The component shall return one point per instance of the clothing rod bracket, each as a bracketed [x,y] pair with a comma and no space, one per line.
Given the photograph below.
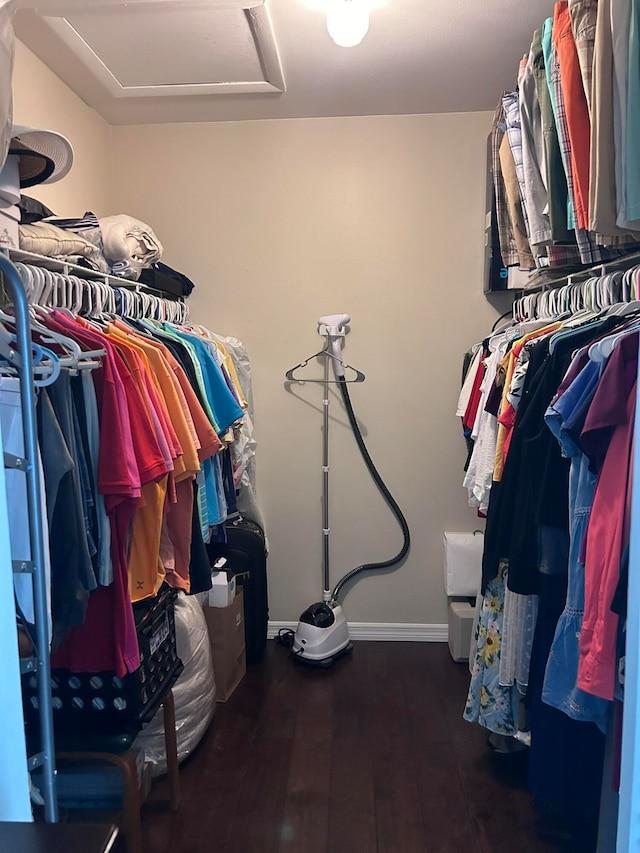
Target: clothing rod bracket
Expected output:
[11,461]
[36,760]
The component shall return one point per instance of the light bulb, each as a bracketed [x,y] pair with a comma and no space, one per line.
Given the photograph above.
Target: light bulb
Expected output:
[347,21]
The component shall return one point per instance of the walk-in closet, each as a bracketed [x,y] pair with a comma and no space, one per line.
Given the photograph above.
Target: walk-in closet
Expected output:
[319,354]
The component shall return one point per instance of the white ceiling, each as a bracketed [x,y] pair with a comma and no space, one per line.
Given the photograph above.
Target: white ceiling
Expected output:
[145,61]
[216,47]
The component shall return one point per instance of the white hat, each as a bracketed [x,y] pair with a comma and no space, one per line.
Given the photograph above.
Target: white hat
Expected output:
[45,155]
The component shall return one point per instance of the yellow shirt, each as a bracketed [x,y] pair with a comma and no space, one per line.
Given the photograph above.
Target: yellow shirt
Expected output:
[511,361]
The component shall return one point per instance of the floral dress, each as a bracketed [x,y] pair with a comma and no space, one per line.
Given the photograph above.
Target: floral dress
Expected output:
[488,703]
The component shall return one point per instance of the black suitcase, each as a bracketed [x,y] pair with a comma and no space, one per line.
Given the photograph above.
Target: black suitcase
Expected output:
[247,557]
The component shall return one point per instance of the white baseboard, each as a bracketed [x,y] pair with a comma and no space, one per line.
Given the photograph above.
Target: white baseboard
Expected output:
[388,631]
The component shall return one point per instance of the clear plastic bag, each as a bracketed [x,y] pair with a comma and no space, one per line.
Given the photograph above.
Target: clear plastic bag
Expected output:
[194,692]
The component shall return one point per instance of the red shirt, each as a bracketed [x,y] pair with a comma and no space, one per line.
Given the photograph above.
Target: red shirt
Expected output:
[107,640]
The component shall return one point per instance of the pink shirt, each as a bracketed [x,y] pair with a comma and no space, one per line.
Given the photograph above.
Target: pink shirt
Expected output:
[607,535]
[107,640]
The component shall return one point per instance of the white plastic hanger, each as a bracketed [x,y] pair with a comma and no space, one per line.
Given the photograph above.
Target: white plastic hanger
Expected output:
[27,280]
[77,359]
[63,294]
[44,286]
[602,350]
[46,364]
[629,286]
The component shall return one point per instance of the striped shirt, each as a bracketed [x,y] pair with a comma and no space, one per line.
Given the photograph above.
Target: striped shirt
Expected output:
[590,251]
[508,248]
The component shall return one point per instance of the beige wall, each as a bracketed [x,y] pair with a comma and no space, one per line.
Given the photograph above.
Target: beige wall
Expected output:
[41,99]
[281,222]
[278,223]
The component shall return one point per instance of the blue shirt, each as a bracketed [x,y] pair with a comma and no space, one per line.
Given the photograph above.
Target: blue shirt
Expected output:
[223,404]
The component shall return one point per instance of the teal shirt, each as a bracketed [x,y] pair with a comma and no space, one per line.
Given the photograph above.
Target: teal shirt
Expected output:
[224,405]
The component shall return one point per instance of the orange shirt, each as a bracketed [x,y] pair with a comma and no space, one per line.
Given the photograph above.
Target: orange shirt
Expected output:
[210,444]
[157,400]
[146,572]
[169,387]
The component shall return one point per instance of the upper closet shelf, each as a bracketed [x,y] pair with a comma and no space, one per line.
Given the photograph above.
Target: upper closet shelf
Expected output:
[549,278]
[66,268]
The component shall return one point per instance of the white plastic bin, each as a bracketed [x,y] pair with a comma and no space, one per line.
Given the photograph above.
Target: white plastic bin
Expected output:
[461,614]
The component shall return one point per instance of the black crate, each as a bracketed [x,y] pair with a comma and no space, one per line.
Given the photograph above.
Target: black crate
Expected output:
[101,702]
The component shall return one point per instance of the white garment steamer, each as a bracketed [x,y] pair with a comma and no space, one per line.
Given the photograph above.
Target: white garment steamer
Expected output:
[322,634]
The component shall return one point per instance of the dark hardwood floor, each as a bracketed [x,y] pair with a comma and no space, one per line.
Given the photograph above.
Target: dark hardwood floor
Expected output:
[372,756]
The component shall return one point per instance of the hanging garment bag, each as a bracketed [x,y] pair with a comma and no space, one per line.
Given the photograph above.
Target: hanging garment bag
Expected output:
[247,558]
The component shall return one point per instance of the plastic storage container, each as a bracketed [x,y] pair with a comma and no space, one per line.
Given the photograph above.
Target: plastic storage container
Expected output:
[102,702]
[461,615]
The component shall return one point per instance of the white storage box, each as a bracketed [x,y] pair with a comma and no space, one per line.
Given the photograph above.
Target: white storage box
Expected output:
[9,198]
[10,181]
[223,589]
[9,231]
[461,615]
[463,563]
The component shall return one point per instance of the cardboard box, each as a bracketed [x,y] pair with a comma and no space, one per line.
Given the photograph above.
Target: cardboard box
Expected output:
[226,635]
[145,782]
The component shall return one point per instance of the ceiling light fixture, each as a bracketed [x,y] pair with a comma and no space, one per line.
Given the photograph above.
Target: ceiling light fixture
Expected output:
[347,21]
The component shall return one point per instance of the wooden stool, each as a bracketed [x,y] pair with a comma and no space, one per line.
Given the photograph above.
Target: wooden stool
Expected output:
[57,837]
[117,751]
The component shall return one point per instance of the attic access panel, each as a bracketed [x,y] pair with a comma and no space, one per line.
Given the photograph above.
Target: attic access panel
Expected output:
[156,48]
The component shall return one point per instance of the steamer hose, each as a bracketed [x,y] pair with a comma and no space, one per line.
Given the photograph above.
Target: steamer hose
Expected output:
[386,494]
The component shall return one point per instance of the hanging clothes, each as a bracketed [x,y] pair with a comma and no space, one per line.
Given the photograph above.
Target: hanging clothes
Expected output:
[508,247]
[489,703]
[611,415]
[555,179]
[620,29]
[632,175]
[562,168]
[577,112]
[514,205]
[536,196]
[549,635]
[479,476]
[552,73]
[514,135]
[583,14]
[564,418]
[602,175]
[137,475]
